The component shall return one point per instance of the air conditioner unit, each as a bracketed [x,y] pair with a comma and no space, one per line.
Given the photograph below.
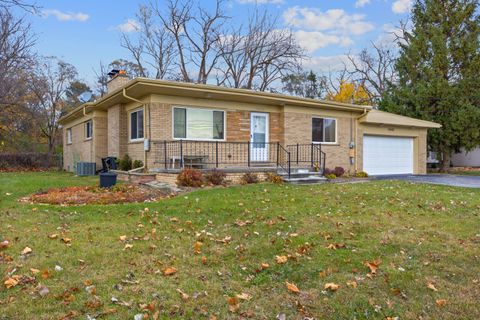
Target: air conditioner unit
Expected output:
[86,168]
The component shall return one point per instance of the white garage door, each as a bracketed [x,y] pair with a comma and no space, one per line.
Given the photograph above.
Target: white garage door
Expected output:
[387,155]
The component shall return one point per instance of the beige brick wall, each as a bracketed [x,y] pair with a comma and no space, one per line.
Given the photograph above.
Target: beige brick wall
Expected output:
[100,124]
[298,129]
[117,131]
[80,150]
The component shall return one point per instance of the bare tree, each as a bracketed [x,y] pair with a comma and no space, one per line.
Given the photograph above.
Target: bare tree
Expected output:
[258,56]
[101,79]
[374,68]
[16,56]
[49,83]
[153,47]
[27,6]
[195,34]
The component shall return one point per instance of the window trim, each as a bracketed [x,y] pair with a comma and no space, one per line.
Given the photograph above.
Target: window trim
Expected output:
[69,136]
[91,130]
[196,108]
[130,125]
[336,130]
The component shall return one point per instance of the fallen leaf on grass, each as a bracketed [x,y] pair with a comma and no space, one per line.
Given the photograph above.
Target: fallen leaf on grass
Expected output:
[185,296]
[4,244]
[169,271]
[45,274]
[281,259]
[352,284]
[128,246]
[198,247]
[292,287]
[244,296]
[66,240]
[26,251]
[12,281]
[335,246]
[34,271]
[441,302]
[204,260]
[123,238]
[331,286]
[431,286]
[53,236]
[264,266]
[233,305]
[372,265]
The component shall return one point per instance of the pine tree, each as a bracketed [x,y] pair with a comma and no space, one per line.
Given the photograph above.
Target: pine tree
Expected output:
[438,70]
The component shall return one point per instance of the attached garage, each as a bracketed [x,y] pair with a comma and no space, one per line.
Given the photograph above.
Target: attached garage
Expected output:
[392,144]
[387,155]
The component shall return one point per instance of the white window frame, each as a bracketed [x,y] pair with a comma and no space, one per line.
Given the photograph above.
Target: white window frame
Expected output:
[197,108]
[336,130]
[130,125]
[86,130]
[69,136]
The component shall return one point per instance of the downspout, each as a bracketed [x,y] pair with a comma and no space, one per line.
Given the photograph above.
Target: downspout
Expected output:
[356,137]
[145,132]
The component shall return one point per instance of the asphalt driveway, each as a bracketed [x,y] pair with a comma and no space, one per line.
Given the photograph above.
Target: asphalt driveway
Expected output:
[443,179]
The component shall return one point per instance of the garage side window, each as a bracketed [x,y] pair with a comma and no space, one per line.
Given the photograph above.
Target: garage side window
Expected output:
[136,125]
[88,129]
[69,136]
[324,130]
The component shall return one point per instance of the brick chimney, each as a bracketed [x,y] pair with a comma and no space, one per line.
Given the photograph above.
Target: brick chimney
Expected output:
[118,78]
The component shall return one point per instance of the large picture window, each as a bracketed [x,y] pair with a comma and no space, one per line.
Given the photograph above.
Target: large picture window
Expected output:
[136,125]
[198,124]
[324,130]
[88,129]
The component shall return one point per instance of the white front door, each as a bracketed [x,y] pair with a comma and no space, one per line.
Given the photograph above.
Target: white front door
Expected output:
[259,136]
[387,155]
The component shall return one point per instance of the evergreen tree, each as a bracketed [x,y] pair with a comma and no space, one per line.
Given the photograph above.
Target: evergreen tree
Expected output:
[304,84]
[438,72]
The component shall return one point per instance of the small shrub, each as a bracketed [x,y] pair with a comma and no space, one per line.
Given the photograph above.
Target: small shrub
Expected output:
[249,178]
[361,174]
[190,178]
[274,178]
[125,163]
[331,176]
[339,171]
[328,171]
[216,177]
[137,164]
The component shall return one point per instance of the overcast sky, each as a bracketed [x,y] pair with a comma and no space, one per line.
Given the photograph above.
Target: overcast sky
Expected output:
[88,31]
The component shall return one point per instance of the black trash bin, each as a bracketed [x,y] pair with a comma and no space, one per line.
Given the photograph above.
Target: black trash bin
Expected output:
[108,179]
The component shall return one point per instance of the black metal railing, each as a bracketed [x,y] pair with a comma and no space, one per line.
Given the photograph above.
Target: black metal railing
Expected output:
[179,154]
[307,155]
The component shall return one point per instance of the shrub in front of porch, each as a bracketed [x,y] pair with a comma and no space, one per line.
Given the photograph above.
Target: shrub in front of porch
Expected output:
[249,178]
[190,178]
[215,177]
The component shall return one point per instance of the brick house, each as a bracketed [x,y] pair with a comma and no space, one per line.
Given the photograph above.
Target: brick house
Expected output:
[169,125]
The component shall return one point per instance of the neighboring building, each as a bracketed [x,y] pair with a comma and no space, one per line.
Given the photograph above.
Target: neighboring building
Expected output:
[169,125]
[466,159]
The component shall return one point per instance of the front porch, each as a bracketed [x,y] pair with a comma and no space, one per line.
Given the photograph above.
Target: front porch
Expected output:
[237,157]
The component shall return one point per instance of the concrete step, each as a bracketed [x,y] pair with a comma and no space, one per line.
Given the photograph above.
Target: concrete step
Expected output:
[305,180]
[300,174]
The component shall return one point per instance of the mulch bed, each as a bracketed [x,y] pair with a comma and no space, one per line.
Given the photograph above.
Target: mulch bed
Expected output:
[96,195]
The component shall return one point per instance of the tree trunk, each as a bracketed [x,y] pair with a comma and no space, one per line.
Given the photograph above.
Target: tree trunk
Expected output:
[445,164]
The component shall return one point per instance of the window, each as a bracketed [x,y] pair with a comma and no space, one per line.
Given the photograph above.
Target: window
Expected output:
[88,129]
[324,130]
[198,124]
[136,125]
[69,136]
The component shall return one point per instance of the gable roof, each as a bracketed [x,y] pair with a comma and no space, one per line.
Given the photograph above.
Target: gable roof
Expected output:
[141,87]
[387,118]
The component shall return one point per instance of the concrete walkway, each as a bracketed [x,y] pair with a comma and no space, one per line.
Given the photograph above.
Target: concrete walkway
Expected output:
[443,179]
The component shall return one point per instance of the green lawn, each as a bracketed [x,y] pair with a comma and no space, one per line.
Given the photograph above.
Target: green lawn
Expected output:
[421,233]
